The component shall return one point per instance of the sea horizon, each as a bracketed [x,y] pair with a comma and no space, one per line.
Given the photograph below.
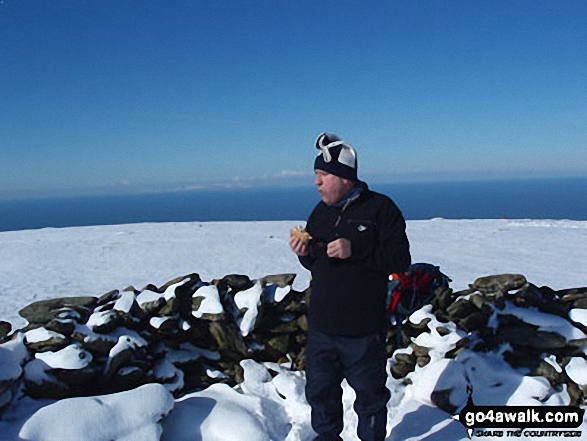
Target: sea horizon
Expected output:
[547,198]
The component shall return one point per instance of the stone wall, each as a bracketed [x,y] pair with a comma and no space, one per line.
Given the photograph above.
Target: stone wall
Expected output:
[489,326]
[189,334]
[186,334]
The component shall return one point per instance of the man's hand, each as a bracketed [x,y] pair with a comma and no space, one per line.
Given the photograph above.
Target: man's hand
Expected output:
[298,246]
[340,249]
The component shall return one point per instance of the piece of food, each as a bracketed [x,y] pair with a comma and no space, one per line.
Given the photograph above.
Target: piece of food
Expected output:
[300,232]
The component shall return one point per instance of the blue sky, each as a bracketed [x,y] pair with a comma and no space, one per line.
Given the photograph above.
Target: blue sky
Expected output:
[120,96]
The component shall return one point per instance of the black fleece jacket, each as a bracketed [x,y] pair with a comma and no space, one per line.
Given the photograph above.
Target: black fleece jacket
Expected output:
[348,295]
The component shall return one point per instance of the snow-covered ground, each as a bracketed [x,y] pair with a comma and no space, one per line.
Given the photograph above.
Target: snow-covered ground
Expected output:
[90,261]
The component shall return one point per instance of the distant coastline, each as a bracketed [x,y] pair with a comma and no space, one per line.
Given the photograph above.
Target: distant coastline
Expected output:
[563,198]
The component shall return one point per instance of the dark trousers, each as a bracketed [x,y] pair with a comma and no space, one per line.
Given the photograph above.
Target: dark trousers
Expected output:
[362,361]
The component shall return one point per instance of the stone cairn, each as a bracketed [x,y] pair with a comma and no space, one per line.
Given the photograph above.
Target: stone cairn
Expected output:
[471,310]
[186,334]
[81,346]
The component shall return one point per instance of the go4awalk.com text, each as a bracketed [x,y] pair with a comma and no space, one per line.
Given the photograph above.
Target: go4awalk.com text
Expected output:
[522,421]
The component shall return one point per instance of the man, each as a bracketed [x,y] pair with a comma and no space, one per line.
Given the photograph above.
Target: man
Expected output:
[358,239]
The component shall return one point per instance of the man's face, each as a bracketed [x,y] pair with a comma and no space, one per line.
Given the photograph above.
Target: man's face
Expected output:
[331,187]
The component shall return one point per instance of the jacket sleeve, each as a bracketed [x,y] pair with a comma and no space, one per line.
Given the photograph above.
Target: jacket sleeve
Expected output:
[390,250]
[308,260]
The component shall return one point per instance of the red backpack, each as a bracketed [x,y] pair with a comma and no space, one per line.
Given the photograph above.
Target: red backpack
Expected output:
[411,290]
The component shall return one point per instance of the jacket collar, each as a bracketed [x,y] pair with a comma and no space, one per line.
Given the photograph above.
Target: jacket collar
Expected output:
[351,196]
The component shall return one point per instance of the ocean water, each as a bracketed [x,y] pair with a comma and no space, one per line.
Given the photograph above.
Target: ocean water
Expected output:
[513,199]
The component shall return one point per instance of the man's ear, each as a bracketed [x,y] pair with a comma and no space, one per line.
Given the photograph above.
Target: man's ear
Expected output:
[348,183]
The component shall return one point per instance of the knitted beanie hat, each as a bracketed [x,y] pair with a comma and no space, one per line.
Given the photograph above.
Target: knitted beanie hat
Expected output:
[336,157]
